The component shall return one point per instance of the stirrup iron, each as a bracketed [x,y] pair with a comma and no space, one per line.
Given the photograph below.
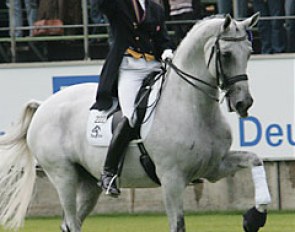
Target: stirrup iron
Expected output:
[110,185]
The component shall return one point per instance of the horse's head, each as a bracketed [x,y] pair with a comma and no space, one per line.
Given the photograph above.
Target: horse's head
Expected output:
[227,54]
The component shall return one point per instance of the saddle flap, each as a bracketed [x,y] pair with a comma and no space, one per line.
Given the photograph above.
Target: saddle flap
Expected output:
[100,127]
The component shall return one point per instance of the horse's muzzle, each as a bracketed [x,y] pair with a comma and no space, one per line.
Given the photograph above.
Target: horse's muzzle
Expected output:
[243,106]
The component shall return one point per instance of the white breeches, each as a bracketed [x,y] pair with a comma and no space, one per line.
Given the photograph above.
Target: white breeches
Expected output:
[131,75]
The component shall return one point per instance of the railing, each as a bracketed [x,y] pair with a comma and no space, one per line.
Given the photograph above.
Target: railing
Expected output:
[13,40]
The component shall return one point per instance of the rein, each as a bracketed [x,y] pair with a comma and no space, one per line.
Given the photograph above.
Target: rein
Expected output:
[188,78]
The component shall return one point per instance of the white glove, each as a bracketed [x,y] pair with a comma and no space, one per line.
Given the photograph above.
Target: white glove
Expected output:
[167,54]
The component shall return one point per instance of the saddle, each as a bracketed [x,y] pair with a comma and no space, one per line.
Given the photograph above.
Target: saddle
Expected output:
[100,129]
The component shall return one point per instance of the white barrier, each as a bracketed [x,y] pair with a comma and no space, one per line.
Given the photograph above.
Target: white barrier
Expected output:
[20,83]
[269,131]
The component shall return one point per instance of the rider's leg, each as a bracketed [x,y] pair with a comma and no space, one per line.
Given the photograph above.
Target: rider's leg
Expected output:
[119,143]
[132,73]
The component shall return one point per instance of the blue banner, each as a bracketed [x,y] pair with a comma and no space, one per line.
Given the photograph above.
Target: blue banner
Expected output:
[60,82]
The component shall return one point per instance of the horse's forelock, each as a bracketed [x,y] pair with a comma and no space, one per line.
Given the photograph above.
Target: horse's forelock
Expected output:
[236,29]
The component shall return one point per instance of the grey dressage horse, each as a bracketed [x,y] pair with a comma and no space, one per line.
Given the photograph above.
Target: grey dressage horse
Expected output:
[189,138]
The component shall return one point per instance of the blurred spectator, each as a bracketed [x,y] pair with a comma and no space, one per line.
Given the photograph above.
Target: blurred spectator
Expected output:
[69,12]
[99,18]
[31,12]
[96,16]
[4,18]
[197,6]
[272,33]
[226,7]
[181,10]
[290,25]
[166,6]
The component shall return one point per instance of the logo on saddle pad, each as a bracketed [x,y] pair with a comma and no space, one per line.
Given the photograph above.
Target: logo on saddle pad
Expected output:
[100,126]
[96,132]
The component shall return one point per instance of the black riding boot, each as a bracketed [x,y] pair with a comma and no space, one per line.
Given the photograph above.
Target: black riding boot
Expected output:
[119,143]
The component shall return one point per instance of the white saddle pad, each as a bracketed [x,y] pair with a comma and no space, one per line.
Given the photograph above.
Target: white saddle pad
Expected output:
[99,132]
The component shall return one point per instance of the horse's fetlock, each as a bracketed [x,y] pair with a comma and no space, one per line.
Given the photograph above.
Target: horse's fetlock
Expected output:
[257,162]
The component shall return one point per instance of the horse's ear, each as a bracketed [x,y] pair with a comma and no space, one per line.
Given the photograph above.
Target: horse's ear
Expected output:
[227,22]
[252,21]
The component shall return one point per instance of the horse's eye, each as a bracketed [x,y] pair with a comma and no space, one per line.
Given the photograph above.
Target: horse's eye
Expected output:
[226,54]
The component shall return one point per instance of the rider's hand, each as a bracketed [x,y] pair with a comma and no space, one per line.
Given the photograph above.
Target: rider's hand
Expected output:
[167,54]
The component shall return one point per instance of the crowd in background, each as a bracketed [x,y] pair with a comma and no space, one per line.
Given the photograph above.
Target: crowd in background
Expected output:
[272,32]
[31,8]
[276,35]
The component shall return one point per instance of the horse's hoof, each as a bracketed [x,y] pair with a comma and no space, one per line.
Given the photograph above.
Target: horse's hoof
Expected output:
[253,220]
[64,228]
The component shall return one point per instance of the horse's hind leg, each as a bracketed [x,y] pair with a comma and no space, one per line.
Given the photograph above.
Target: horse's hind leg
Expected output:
[233,162]
[65,180]
[173,187]
[88,193]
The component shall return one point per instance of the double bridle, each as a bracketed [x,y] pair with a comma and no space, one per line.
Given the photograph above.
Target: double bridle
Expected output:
[223,81]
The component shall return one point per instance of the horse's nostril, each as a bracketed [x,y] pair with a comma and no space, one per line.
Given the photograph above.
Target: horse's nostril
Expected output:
[239,105]
[243,106]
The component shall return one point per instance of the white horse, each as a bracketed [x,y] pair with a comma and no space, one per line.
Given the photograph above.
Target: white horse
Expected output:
[189,138]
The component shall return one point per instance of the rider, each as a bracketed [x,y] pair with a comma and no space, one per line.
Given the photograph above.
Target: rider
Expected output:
[140,41]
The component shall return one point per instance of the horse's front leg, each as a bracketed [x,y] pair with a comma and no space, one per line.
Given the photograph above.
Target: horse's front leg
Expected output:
[233,162]
[173,187]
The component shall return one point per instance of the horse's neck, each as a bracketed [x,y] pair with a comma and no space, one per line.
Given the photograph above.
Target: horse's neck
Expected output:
[183,110]
[180,97]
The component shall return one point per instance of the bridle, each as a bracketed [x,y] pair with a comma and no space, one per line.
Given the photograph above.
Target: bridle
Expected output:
[223,81]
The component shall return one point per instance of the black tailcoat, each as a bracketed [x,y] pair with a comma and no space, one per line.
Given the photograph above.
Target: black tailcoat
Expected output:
[149,36]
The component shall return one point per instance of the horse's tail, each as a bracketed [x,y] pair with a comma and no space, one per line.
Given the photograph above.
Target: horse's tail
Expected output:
[17,171]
